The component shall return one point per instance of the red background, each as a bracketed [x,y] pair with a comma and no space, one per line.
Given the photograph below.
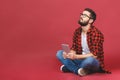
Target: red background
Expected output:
[31,32]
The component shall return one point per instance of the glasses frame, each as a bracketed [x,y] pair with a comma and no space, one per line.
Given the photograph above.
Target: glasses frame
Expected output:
[85,15]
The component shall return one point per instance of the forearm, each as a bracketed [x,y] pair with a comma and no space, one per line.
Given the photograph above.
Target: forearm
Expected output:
[85,56]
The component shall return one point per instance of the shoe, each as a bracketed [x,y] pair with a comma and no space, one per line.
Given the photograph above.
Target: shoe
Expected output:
[82,72]
[63,68]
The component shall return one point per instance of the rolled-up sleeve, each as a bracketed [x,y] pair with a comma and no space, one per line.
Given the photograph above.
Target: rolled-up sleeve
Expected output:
[74,41]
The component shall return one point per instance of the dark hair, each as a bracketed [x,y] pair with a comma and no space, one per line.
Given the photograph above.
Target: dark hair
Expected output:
[93,14]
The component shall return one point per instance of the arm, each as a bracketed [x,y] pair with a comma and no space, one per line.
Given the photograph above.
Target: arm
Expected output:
[75,39]
[97,41]
[84,56]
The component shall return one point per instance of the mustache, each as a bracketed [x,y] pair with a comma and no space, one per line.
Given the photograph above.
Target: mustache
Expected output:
[78,21]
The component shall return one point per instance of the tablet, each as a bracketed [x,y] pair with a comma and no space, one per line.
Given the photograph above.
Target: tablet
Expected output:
[66,48]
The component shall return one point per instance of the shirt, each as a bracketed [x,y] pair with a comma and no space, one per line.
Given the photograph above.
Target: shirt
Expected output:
[95,41]
[85,48]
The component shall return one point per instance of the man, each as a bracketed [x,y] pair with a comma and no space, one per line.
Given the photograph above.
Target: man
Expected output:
[86,55]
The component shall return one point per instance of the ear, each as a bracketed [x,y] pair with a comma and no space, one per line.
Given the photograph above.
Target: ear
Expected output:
[91,21]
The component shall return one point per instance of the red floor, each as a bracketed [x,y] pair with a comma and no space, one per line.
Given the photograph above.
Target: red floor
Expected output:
[33,66]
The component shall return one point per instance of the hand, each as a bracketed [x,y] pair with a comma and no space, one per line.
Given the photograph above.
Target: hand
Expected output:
[71,56]
[95,57]
[64,55]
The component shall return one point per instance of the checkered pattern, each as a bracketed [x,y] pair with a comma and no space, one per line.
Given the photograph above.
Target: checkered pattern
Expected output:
[95,41]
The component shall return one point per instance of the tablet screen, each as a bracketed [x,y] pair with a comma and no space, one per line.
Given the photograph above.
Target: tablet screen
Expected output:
[66,48]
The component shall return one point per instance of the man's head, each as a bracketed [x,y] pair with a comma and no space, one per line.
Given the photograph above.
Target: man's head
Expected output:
[87,17]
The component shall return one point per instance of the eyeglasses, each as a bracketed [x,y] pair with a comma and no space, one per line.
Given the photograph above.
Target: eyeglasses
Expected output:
[84,15]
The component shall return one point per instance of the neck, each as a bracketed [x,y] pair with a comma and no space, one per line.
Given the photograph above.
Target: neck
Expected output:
[86,28]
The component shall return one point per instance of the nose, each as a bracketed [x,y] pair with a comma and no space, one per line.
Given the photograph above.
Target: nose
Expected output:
[81,18]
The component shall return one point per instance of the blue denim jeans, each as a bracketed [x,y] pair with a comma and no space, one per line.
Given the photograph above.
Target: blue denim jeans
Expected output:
[90,63]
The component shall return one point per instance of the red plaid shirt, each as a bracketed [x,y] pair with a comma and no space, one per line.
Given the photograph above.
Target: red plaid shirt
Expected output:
[95,41]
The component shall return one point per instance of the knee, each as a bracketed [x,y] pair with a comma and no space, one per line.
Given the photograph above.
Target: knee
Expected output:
[59,54]
[94,63]
[90,60]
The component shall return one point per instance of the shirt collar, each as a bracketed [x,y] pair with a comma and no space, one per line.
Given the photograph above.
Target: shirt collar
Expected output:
[91,28]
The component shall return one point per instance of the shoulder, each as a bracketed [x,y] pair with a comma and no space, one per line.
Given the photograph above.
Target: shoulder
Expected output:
[78,30]
[97,31]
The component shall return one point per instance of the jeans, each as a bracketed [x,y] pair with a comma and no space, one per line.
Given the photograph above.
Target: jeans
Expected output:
[91,64]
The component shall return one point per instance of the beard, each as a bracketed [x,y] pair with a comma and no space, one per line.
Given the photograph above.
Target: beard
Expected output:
[83,23]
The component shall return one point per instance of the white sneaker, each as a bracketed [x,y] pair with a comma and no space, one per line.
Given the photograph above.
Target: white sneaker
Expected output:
[63,68]
[82,72]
